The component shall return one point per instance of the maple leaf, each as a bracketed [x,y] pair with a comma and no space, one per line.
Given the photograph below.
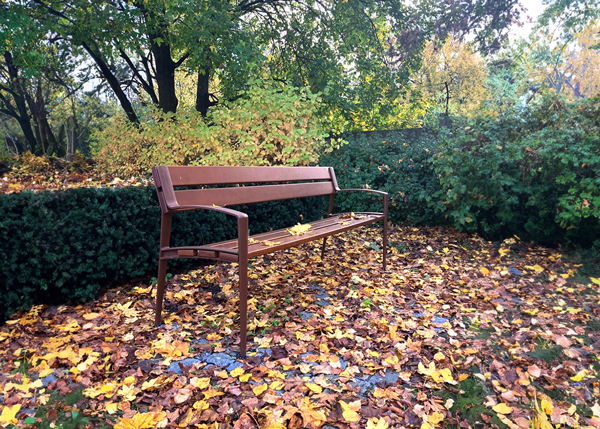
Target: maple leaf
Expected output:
[8,415]
[310,415]
[350,411]
[128,393]
[299,229]
[104,389]
[141,420]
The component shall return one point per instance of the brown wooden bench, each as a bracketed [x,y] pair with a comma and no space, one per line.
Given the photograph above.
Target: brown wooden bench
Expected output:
[255,184]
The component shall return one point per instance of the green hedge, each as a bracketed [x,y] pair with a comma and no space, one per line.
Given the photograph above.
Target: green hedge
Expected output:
[391,161]
[533,173]
[64,246]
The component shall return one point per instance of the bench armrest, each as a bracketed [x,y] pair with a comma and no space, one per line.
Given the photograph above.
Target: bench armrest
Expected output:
[372,191]
[219,209]
[242,224]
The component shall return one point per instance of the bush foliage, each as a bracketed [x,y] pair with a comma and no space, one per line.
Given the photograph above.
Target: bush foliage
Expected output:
[534,173]
[391,161]
[65,245]
[269,125]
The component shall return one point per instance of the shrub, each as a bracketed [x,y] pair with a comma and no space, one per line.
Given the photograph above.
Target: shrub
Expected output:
[268,125]
[30,163]
[66,245]
[536,176]
[391,161]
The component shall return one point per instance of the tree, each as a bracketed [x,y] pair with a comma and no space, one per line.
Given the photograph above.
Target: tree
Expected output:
[453,75]
[361,51]
[571,69]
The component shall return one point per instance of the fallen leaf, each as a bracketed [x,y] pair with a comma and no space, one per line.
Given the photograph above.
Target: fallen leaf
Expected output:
[141,420]
[502,408]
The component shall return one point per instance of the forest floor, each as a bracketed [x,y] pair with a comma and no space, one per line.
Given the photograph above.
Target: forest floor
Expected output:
[458,332]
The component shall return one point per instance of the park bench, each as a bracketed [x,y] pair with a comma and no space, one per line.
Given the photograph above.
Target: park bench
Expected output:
[250,185]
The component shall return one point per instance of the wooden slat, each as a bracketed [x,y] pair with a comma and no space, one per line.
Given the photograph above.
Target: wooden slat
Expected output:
[252,194]
[199,175]
[319,229]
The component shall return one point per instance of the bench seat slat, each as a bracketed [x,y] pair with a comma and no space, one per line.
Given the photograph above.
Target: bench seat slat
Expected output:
[193,176]
[319,229]
[252,194]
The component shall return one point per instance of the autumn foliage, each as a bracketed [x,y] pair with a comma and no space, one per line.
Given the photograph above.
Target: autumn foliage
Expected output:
[457,333]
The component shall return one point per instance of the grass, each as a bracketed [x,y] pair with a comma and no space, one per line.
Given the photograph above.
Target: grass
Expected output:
[547,351]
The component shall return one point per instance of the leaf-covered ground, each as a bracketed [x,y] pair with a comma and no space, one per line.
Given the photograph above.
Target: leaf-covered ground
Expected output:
[456,333]
[59,180]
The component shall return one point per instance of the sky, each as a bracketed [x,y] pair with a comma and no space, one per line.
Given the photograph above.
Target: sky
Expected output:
[534,8]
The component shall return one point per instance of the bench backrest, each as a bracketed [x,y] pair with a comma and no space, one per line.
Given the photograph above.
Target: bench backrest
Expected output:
[306,182]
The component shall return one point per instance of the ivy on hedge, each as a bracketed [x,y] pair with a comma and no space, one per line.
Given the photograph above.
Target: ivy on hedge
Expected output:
[64,246]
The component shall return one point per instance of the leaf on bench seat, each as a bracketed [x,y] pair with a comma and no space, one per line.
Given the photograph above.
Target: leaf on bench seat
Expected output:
[299,229]
[270,243]
[352,216]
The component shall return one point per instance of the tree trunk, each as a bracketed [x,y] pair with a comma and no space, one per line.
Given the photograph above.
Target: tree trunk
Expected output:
[114,83]
[40,114]
[202,94]
[165,75]
[24,118]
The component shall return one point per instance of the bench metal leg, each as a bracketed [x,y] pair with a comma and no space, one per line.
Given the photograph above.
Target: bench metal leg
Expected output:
[160,290]
[165,238]
[385,243]
[385,230]
[323,248]
[243,305]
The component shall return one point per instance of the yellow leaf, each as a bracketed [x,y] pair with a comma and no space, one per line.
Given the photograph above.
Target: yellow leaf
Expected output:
[128,393]
[141,421]
[237,372]
[259,389]
[314,387]
[211,393]
[299,229]
[129,380]
[379,393]
[485,271]
[91,316]
[200,405]
[535,268]
[111,407]
[546,405]
[8,415]
[245,377]
[502,408]
[435,418]
[350,411]
[595,280]
[277,385]
[202,383]
[439,356]
[377,423]
[579,376]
